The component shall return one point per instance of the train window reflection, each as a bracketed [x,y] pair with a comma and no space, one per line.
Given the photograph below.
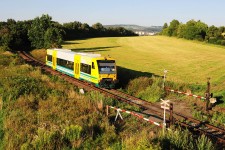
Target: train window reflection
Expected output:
[106,67]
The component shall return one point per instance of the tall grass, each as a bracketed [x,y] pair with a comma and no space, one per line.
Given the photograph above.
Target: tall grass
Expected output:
[42,112]
[178,139]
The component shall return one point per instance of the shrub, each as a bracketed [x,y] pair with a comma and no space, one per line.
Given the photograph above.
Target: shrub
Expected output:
[212,39]
[176,139]
[73,132]
[48,140]
[222,42]
[149,89]
[145,142]
[139,84]
[203,143]
[17,86]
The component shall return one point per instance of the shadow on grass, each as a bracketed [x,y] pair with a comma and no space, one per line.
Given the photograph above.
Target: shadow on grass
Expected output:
[219,100]
[125,75]
[93,49]
[70,42]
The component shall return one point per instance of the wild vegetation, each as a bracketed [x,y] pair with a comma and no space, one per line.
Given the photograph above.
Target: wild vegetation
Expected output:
[40,111]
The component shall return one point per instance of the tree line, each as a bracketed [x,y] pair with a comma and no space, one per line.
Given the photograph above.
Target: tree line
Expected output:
[195,30]
[42,32]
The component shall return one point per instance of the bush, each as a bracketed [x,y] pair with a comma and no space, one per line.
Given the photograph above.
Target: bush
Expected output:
[145,142]
[177,139]
[212,40]
[48,140]
[17,86]
[73,132]
[223,42]
[139,84]
[149,89]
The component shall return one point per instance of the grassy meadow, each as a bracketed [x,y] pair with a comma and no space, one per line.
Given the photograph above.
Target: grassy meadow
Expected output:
[187,62]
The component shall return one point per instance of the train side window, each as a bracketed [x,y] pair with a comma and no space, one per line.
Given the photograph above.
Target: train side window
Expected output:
[85,68]
[93,65]
[89,69]
[65,63]
[49,57]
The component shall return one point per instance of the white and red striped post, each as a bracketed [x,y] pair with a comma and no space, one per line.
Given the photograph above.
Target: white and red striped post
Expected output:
[188,94]
[136,115]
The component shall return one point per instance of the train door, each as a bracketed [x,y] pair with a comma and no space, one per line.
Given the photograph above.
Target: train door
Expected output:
[77,66]
[54,58]
[94,71]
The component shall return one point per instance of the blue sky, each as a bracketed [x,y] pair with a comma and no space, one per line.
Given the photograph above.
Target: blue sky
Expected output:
[139,12]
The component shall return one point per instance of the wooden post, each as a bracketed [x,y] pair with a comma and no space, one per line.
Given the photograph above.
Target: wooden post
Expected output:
[107,110]
[171,114]
[207,95]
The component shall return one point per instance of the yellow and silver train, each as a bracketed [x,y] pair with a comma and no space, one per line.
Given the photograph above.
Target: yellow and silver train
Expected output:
[101,71]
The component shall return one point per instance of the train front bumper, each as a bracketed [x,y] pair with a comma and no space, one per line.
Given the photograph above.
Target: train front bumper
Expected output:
[108,83]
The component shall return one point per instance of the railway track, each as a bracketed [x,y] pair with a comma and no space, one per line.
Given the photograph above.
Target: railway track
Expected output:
[197,126]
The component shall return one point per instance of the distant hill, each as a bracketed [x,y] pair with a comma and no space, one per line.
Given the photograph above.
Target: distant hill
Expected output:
[138,28]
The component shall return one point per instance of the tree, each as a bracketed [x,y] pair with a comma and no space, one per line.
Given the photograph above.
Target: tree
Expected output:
[5,37]
[99,29]
[37,31]
[13,35]
[165,26]
[172,29]
[74,30]
[201,30]
[193,30]
[214,35]
[45,33]
[53,38]
[181,30]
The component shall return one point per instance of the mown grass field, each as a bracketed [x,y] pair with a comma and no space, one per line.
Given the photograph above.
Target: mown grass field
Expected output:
[188,62]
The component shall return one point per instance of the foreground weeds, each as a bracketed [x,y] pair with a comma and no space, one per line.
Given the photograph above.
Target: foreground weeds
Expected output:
[179,139]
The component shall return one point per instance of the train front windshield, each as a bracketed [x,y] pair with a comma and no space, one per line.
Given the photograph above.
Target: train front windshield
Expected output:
[106,66]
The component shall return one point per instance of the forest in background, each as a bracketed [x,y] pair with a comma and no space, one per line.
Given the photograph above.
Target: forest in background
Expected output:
[42,32]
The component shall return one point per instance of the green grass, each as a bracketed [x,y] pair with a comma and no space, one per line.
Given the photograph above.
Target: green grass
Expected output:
[187,61]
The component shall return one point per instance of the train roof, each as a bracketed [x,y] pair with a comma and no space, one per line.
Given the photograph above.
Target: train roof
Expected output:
[69,52]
